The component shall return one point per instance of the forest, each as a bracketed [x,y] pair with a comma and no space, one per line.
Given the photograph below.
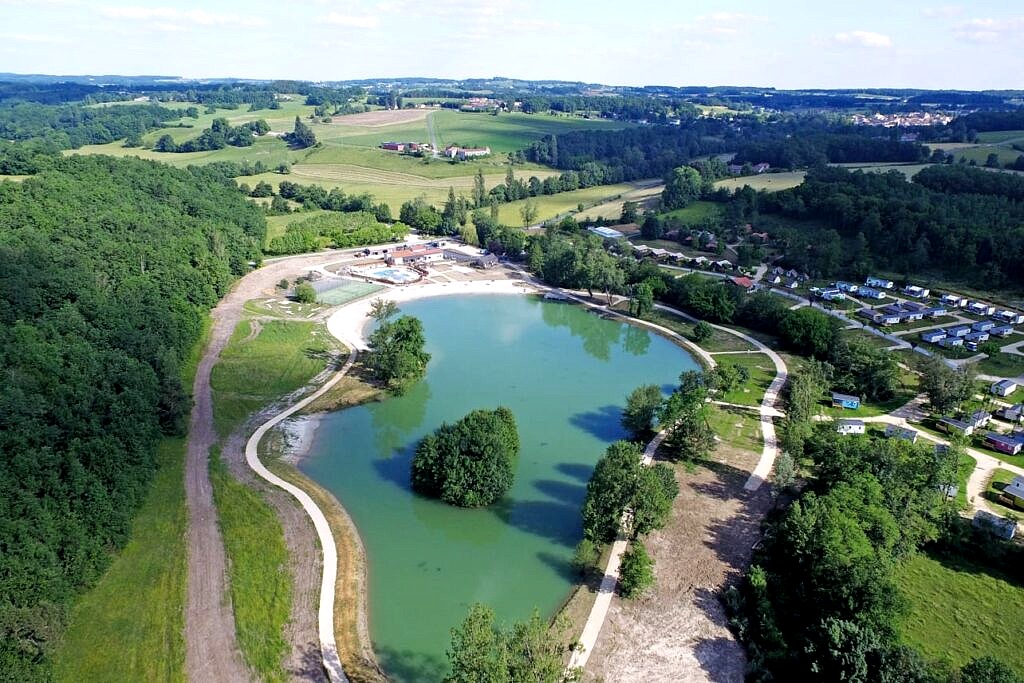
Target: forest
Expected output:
[969,228]
[109,268]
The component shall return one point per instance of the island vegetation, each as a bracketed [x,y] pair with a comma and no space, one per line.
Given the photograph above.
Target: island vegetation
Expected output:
[397,357]
[470,463]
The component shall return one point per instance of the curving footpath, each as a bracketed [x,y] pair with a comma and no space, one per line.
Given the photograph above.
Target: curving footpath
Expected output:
[768,410]
[325,614]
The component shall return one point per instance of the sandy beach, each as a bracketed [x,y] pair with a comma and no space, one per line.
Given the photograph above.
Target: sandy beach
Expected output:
[350,322]
[298,433]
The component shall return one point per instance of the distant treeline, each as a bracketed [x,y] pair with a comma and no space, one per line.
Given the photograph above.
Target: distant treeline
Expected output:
[109,267]
[71,126]
[964,223]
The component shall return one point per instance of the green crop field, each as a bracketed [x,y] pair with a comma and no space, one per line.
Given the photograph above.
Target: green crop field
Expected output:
[694,213]
[959,610]
[770,182]
[550,206]
[1000,136]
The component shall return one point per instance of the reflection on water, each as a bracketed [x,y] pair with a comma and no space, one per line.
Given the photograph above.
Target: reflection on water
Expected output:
[428,561]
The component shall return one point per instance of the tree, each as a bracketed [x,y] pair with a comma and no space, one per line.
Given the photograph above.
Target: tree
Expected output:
[682,187]
[630,213]
[305,294]
[641,409]
[702,331]
[479,189]
[528,212]
[397,357]
[477,653]
[947,389]
[992,161]
[988,670]
[301,137]
[785,471]
[656,489]
[470,463]
[636,573]
[585,556]
[691,438]
[382,309]
[642,302]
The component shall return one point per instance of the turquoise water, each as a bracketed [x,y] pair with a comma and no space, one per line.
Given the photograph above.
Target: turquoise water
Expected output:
[565,374]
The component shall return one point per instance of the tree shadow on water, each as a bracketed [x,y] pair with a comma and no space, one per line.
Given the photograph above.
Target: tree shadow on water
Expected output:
[575,470]
[561,490]
[555,521]
[604,423]
[396,468]
[405,665]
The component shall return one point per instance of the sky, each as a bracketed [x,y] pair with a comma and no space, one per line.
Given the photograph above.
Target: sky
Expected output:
[782,43]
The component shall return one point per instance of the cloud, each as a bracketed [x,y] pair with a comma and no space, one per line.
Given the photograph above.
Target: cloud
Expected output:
[32,38]
[942,12]
[170,18]
[868,39]
[352,20]
[990,30]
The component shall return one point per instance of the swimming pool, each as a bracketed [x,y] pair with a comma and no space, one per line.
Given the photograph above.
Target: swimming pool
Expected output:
[398,275]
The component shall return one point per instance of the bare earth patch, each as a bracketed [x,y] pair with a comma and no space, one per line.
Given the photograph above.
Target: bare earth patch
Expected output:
[678,630]
[384,117]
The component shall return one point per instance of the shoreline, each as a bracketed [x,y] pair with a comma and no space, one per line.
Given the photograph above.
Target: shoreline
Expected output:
[297,435]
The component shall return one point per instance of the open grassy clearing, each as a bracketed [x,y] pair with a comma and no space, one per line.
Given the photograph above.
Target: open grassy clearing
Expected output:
[1001,365]
[13,178]
[646,198]
[909,170]
[271,151]
[738,427]
[762,371]
[552,205]
[959,610]
[509,132]
[906,393]
[694,213]
[1006,155]
[425,167]
[261,585]
[861,335]
[997,136]
[719,341]
[137,608]
[963,472]
[263,363]
[770,182]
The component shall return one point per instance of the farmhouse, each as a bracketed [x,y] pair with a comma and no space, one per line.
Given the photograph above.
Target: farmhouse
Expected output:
[1014,492]
[916,292]
[878,282]
[850,427]
[933,336]
[1003,387]
[954,300]
[393,146]
[463,153]
[1003,528]
[845,401]
[761,167]
[1003,444]
[742,282]
[900,433]
[952,425]
[415,254]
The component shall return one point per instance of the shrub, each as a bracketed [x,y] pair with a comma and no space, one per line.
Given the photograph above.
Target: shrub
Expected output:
[636,573]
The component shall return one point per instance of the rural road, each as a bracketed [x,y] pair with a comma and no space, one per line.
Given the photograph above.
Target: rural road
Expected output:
[211,648]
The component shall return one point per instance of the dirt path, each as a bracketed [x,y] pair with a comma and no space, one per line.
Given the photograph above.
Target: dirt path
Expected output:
[211,648]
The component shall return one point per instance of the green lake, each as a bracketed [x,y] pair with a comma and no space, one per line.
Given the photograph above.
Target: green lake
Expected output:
[565,373]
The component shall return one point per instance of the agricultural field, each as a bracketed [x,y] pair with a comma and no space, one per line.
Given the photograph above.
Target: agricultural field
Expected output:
[959,609]
[692,214]
[646,198]
[770,182]
[995,137]
[553,205]
[909,170]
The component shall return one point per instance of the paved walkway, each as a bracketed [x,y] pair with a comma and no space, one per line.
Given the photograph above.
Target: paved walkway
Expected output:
[325,613]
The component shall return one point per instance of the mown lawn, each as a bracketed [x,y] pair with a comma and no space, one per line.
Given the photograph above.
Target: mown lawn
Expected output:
[907,391]
[959,610]
[719,340]
[253,371]
[694,213]
[770,182]
[1000,479]
[762,371]
[261,584]
[737,427]
[1001,365]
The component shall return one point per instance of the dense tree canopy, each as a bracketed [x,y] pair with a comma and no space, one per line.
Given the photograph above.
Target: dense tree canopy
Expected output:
[470,463]
[108,269]
[397,357]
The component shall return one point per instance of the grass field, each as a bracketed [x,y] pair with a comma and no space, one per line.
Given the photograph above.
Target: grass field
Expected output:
[963,472]
[997,136]
[907,391]
[737,427]
[255,370]
[694,213]
[959,610]
[550,206]
[770,182]
[136,609]
[909,170]
[719,341]
[646,198]
[261,585]
[1000,478]
[1001,365]
[860,335]
[752,391]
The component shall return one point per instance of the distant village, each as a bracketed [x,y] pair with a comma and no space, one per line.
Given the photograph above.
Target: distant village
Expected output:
[906,119]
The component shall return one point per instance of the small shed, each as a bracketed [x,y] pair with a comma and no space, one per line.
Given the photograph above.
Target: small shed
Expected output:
[850,427]
[1003,528]
[845,401]
[1003,387]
